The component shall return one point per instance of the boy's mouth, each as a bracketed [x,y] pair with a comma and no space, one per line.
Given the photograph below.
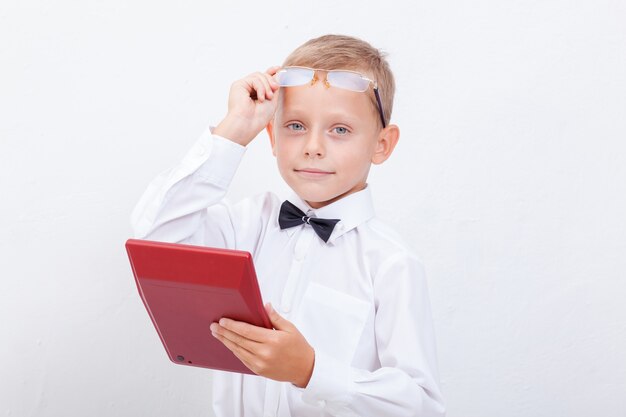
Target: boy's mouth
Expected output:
[312,172]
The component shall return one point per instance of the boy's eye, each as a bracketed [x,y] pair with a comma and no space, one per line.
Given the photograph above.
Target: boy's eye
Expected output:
[295,126]
[341,130]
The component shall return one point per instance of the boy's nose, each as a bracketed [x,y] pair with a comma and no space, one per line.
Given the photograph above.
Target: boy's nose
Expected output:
[314,146]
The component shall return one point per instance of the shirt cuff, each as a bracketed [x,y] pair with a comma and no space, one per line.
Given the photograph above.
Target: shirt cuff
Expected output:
[329,386]
[214,158]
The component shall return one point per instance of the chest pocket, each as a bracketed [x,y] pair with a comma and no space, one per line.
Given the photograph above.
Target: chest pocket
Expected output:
[331,320]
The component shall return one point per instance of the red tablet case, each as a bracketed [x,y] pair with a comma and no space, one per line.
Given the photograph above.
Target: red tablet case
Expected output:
[185,288]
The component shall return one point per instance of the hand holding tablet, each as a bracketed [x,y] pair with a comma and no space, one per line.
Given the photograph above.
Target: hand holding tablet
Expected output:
[185,288]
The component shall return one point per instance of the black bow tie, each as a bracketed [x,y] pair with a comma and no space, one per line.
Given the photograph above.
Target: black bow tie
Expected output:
[291,216]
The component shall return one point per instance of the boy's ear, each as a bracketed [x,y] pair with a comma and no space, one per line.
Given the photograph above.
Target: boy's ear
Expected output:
[385,144]
[270,132]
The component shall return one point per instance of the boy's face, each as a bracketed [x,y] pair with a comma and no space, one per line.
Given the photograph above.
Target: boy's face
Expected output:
[325,140]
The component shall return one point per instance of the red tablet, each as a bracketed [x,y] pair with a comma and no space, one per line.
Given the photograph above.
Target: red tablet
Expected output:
[185,288]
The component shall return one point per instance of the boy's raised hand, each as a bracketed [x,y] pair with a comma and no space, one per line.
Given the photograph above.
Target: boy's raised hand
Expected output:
[282,354]
[252,102]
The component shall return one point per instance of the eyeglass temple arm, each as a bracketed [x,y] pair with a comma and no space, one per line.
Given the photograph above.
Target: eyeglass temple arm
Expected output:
[380,107]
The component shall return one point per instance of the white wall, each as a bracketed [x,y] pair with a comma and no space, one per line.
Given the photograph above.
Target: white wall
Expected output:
[509,180]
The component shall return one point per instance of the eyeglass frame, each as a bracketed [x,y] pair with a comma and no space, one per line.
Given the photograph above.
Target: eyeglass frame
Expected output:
[373,83]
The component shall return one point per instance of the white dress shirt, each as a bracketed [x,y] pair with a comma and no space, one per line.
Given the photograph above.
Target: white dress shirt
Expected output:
[360,299]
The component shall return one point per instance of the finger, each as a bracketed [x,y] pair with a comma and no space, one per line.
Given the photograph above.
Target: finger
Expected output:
[249,345]
[249,359]
[256,87]
[249,331]
[245,86]
[268,89]
[277,320]
[260,89]
[244,355]
[272,82]
[273,70]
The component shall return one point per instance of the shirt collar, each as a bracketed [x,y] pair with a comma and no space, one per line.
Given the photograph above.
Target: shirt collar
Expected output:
[352,210]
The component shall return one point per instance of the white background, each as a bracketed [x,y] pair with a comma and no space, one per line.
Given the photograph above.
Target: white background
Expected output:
[509,180]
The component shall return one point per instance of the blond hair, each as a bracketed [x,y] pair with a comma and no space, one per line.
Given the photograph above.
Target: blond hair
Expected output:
[346,52]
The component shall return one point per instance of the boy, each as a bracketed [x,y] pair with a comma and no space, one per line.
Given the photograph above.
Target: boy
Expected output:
[352,327]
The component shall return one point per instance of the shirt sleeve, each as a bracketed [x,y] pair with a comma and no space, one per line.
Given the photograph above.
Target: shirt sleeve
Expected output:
[406,384]
[185,203]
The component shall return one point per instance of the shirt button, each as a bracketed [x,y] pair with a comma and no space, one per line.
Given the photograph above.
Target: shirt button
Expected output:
[201,150]
[321,403]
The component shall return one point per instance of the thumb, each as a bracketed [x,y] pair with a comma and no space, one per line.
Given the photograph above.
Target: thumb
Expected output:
[278,321]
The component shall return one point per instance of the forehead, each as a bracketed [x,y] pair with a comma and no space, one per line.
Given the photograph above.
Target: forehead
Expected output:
[319,100]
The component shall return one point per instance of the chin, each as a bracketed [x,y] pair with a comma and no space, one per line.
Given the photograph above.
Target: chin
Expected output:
[317,192]
[313,196]
[318,198]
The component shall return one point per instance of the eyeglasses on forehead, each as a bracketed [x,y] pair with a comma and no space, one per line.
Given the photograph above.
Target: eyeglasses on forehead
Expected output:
[294,76]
